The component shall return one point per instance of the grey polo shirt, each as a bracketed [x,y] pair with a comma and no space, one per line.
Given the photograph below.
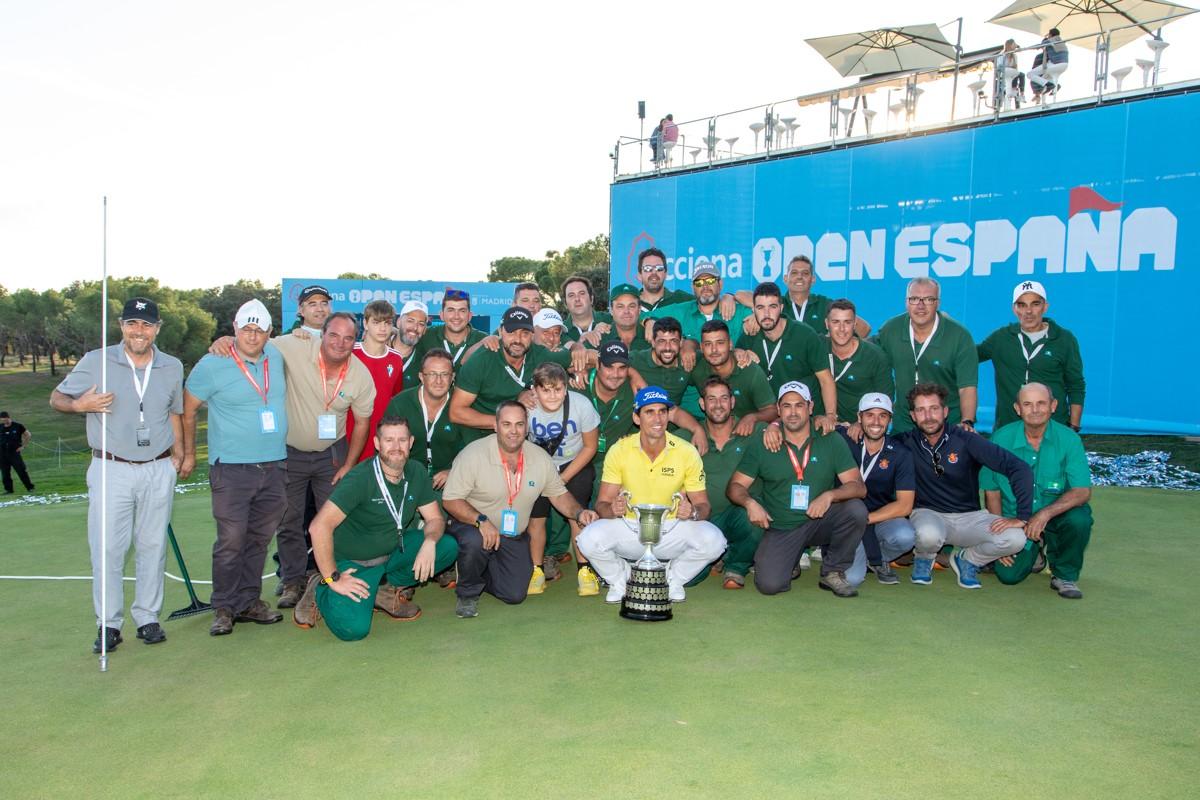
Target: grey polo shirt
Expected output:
[164,396]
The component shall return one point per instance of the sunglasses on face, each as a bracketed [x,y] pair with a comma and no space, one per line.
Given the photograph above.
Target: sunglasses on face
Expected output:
[704,282]
[654,268]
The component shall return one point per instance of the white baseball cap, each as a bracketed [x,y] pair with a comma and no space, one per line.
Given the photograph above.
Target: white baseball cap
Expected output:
[875,400]
[1029,286]
[797,387]
[548,318]
[252,312]
[414,305]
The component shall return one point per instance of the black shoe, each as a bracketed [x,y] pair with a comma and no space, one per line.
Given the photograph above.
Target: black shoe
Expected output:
[112,638]
[152,633]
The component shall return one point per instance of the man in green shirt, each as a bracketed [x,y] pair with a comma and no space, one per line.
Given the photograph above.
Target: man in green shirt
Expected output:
[789,351]
[583,323]
[436,440]
[1062,486]
[706,284]
[725,449]
[411,325]
[753,400]
[859,367]
[625,308]
[455,335]
[926,346]
[811,495]
[652,272]
[801,304]
[364,533]
[1035,349]
[660,366]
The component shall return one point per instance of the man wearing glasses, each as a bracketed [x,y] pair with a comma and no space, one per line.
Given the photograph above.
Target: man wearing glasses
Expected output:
[652,272]
[708,305]
[947,463]
[455,335]
[926,346]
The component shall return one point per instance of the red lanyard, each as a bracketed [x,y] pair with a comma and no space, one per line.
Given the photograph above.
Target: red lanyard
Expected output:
[325,381]
[796,465]
[513,482]
[266,387]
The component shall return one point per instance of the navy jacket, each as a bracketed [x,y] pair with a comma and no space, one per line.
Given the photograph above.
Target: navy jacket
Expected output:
[961,455]
[893,470]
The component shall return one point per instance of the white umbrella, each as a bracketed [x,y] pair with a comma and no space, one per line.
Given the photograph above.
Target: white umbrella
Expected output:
[1088,18]
[885,50]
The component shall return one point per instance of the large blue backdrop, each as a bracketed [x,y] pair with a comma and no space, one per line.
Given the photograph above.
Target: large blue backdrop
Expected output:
[1101,205]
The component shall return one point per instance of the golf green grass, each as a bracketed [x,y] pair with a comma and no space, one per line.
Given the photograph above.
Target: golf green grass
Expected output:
[902,692]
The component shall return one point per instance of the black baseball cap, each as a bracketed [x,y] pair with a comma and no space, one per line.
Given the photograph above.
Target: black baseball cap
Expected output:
[140,308]
[309,291]
[614,353]
[517,319]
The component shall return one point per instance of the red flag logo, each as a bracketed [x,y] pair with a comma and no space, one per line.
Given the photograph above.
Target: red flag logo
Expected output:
[1085,199]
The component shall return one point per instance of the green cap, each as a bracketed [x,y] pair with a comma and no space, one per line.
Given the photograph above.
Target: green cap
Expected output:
[623,288]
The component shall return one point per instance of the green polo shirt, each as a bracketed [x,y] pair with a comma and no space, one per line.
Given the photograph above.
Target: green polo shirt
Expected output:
[639,342]
[798,355]
[950,359]
[433,339]
[1058,465]
[829,456]
[691,320]
[670,297]
[866,370]
[672,380]
[814,311]
[751,391]
[369,531]
[1055,361]
[490,378]
[719,466]
[616,416]
[436,452]
[571,332]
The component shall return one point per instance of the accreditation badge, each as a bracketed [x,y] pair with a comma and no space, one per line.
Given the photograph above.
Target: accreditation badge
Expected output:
[143,436]
[799,497]
[508,523]
[266,419]
[326,426]
[602,444]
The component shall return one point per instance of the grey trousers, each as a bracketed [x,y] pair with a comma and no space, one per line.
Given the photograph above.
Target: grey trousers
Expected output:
[248,501]
[304,469]
[140,497]
[970,530]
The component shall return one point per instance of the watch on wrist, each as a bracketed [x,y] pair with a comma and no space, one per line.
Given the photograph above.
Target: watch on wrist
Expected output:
[332,579]
[970,422]
[482,518]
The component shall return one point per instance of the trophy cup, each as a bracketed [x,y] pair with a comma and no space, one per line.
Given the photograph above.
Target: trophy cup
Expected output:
[647,597]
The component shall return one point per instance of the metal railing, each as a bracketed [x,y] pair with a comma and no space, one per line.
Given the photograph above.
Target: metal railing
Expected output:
[901,103]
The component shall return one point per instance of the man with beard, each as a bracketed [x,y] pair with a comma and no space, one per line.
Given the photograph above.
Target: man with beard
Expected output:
[142,412]
[365,534]
[387,366]
[708,305]
[652,272]
[455,335]
[625,309]
[660,366]
[811,495]
[411,325]
[752,398]
[1035,349]
[801,303]
[652,467]
[1062,486]
[313,308]
[858,366]
[947,461]
[585,324]
[489,496]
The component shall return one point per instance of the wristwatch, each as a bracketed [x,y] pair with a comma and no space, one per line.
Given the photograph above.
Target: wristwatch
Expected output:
[970,422]
[332,579]
[482,518]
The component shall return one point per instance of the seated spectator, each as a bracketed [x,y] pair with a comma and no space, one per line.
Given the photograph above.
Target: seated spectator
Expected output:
[1041,76]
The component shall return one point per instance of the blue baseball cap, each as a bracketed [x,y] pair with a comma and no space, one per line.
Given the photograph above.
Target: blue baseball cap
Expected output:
[650,395]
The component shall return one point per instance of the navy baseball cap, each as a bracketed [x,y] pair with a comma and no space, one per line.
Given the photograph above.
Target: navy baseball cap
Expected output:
[614,352]
[517,319]
[140,308]
[651,395]
[314,289]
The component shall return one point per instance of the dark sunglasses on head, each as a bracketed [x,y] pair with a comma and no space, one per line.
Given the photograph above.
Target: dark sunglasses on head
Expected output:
[456,294]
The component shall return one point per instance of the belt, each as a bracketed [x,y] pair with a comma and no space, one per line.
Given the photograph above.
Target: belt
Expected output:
[109,456]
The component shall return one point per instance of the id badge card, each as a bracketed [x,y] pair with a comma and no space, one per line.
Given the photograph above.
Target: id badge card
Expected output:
[143,437]
[602,444]
[266,418]
[508,523]
[326,426]
[799,497]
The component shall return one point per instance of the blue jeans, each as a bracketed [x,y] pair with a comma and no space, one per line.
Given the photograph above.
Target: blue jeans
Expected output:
[895,537]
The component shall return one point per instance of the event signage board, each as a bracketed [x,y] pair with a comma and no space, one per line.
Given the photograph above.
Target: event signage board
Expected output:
[488,300]
[1101,205]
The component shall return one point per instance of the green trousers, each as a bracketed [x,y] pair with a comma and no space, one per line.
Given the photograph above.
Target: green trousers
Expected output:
[1066,537]
[742,537]
[350,620]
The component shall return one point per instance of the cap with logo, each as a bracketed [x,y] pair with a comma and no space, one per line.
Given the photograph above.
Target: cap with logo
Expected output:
[797,387]
[703,268]
[252,312]
[311,291]
[1029,286]
[623,288]
[872,400]
[141,308]
[613,352]
[517,319]
[548,318]
[414,305]
[651,395]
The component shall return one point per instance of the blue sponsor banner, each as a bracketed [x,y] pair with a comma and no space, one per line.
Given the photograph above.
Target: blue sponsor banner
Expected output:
[1101,205]
[489,301]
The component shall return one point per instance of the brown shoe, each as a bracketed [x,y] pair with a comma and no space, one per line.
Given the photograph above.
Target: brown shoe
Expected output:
[836,582]
[395,604]
[448,578]
[733,580]
[307,614]
[222,622]
[291,595]
[259,612]
[550,569]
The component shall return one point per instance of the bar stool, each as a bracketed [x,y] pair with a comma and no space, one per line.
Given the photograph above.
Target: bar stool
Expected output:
[894,111]
[976,88]
[845,112]
[695,151]
[1119,75]
[790,124]
[1054,75]
[1157,45]
[868,115]
[757,128]
[730,141]
[779,129]
[712,141]
[1147,67]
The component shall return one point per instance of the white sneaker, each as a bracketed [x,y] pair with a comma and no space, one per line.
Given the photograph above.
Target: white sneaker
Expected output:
[675,593]
[616,593]
[805,562]
[816,555]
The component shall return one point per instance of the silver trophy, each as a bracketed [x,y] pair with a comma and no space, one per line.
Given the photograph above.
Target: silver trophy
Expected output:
[647,596]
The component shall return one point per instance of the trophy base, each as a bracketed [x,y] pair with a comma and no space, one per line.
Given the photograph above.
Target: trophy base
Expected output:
[647,598]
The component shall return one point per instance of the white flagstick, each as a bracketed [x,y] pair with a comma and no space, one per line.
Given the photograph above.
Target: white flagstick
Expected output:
[104,449]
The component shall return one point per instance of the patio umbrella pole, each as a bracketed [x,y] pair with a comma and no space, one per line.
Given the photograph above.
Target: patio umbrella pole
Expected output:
[957,61]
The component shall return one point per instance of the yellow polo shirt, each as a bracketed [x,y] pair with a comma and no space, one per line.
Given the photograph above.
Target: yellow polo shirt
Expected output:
[678,467]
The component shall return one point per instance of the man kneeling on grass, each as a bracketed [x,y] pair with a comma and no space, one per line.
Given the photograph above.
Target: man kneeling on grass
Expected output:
[364,533]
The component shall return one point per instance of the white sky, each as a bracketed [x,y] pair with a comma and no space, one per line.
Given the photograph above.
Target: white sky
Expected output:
[420,140]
